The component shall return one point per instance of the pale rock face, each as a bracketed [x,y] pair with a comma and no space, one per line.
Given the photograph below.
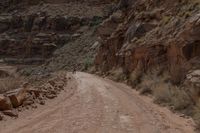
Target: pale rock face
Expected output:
[95,45]
[194,77]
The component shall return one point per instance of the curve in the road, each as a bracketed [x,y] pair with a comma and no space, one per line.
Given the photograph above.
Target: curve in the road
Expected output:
[98,106]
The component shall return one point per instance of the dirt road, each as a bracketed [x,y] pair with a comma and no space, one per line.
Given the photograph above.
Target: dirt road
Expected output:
[98,106]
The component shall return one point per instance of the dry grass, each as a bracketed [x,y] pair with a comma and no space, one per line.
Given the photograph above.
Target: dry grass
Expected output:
[158,83]
[162,93]
[177,74]
[172,95]
[9,83]
[148,81]
[196,115]
[151,79]
[118,74]
[180,99]
[135,77]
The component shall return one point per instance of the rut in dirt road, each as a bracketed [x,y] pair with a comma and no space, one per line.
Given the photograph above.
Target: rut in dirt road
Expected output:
[98,106]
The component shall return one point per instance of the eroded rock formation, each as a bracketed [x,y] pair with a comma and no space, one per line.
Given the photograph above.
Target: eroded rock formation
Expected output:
[30,31]
[143,41]
[149,33]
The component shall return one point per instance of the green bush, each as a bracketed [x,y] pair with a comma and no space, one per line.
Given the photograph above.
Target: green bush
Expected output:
[88,62]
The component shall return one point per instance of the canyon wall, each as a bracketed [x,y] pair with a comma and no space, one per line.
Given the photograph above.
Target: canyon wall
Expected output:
[149,33]
[35,29]
[155,47]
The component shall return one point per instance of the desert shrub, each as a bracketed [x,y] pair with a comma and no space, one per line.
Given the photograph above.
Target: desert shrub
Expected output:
[88,62]
[152,78]
[166,19]
[162,93]
[180,99]
[177,74]
[196,115]
[9,83]
[118,74]
[146,85]
[96,21]
[135,77]
[144,90]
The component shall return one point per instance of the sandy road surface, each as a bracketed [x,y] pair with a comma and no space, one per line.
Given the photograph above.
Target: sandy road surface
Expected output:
[98,106]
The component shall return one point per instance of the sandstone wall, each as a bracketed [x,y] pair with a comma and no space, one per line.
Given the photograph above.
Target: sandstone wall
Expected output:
[149,33]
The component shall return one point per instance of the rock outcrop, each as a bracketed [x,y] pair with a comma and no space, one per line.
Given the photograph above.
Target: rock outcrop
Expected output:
[5,103]
[36,36]
[31,35]
[156,37]
[149,33]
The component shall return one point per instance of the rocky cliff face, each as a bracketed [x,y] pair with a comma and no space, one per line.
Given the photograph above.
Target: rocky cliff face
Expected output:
[150,33]
[142,36]
[33,30]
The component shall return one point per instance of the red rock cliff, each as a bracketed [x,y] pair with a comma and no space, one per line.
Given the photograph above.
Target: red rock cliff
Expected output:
[148,33]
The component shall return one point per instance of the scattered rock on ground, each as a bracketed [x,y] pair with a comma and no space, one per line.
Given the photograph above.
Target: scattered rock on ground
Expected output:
[17,96]
[5,103]
[11,113]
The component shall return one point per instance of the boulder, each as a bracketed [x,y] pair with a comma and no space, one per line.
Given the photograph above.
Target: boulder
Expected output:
[194,77]
[17,96]
[117,17]
[11,113]
[42,102]
[95,45]
[5,103]
[50,96]
[36,92]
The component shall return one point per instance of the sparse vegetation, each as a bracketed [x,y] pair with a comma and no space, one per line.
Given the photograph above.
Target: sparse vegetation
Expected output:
[162,93]
[147,83]
[166,19]
[177,74]
[152,78]
[88,62]
[10,83]
[118,74]
[196,115]
[136,75]
[179,99]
